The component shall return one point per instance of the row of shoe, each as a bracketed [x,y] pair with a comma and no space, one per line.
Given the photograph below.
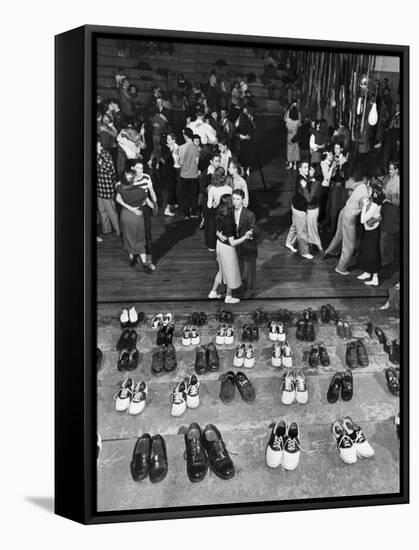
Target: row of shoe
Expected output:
[131,397]
[190,336]
[393,380]
[391,347]
[225,335]
[206,359]
[198,319]
[260,316]
[294,388]
[283,448]
[230,381]
[305,330]
[343,329]
[281,355]
[160,320]
[244,356]
[351,441]
[185,394]
[277,331]
[149,459]
[318,355]
[130,318]
[250,333]
[342,384]
[356,354]
[163,359]
[328,313]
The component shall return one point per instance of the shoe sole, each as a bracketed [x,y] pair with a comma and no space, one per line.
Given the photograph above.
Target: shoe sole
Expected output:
[276,362]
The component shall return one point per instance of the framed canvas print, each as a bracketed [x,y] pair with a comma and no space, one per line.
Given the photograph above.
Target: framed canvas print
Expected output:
[231,274]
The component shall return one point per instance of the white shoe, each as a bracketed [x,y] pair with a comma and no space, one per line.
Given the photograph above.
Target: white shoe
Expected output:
[364,276]
[273,334]
[275,447]
[362,447]
[286,355]
[133,316]
[291,455]
[276,355]
[214,295]
[231,300]
[344,443]
[195,338]
[186,336]
[280,332]
[341,272]
[157,321]
[123,395]
[249,357]
[168,212]
[124,317]
[238,360]
[179,400]
[290,247]
[373,282]
[192,392]
[167,319]
[301,392]
[220,338]
[229,336]
[288,389]
[307,256]
[139,396]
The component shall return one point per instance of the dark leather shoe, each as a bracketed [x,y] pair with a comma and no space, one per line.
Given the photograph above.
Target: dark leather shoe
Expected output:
[393,382]
[335,387]
[312,315]
[309,333]
[170,362]
[229,317]
[255,333]
[324,315]
[369,330]
[347,332]
[314,356]
[247,333]
[323,355]
[246,389]
[339,328]
[196,455]
[228,388]
[201,365]
[161,336]
[363,360]
[170,329]
[219,459]
[347,386]
[352,355]
[300,330]
[396,352]
[380,335]
[194,318]
[126,340]
[140,462]
[158,360]
[123,360]
[133,359]
[332,313]
[213,360]
[158,459]
[202,318]
[99,359]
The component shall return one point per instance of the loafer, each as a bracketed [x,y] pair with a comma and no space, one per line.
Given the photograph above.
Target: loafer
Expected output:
[324,314]
[195,318]
[158,459]
[123,360]
[380,335]
[158,360]
[339,328]
[309,334]
[347,386]
[393,382]
[275,446]
[314,356]
[227,389]
[201,365]
[170,361]
[363,360]
[133,359]
[195,454]
[218,457]
[351,355]
[202,318]
[140,462]
[347,332]
[323,355]
[300,330]
[213,359]
[246,389]
[125,341]
[335,387]
[332,313]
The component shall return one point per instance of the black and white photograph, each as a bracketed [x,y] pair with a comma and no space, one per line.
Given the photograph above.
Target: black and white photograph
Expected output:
[248,254]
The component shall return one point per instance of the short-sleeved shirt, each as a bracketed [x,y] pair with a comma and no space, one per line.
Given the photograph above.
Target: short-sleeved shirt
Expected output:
[133,195]
[227,227]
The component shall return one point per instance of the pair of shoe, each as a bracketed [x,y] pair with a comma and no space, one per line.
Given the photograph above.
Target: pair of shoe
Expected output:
[260,316]
[356,354]
[160,320]
[225,316]
[185,394]
[277,331]
[244,356]
[131,397]
[225,335]
[206,449]
[351,441]
[294,388]
[250,333]
[342,384]
[128,359]
[305,330]
[127,340]
[283,315]
[190,336]
[283,447]
[229,381]
[207,359]
[393,380]
[310,315]
[343,329]
[99,359]
[198,319]
[281,355]
[318,355]
[328,313]
[149,459]
[392,348]
[163,359]
[130,318]
[165,334]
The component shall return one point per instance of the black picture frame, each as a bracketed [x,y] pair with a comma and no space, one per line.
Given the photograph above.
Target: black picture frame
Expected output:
[75,270]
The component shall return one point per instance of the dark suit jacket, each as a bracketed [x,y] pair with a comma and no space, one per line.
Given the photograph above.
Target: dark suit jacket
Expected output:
[247,221]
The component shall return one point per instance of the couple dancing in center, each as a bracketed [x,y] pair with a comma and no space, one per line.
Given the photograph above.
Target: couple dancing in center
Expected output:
[236,248]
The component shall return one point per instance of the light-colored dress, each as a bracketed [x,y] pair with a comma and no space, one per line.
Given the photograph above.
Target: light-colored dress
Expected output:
[293,149]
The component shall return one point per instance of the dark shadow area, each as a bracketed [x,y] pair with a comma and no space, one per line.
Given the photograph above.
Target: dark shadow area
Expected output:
[46,503]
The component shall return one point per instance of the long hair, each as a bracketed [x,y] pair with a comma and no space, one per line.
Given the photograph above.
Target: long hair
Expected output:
[219,177]
[225,209]
[377,195]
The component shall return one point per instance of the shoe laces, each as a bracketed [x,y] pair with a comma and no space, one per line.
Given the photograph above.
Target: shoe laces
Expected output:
[196,451]
[193,389]
[289,383]
[178,396]
[345,442]
[300,383]
[277,443]
[123,392]
[292,444]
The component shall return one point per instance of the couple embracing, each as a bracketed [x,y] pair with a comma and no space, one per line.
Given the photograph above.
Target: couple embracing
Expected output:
[236,248]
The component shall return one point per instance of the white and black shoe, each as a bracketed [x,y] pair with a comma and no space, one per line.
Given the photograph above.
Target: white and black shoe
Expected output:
[238,360]
[362,447]
[273,334]
[249,357]
[276,355]
[192,391]
[344,443]
[186,336]
[275,447]
[194,338]
[280,332]
[167,319]
[220,338]
[301,393]
[288,389]
[179,399]
[157,321]
[292,450]
[229,335]
[286,355]
[124,319]
[139,396]
[123,395]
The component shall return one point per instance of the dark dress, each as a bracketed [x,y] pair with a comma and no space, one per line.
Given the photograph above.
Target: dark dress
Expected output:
[369,257]
[132,226]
